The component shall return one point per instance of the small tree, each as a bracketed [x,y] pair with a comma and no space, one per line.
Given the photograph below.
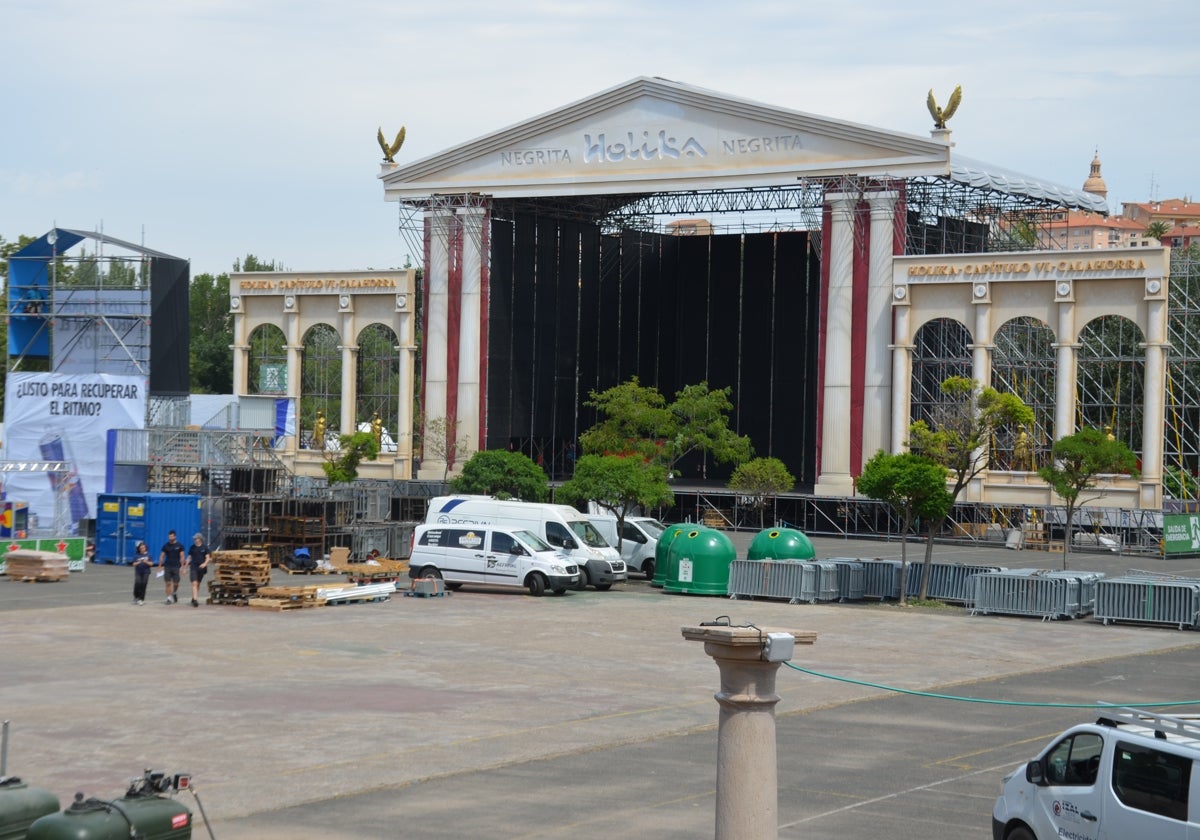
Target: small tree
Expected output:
[964,422]
[914,486]
[503,474]
[617,484]
[1157,229]
[1079,460]
[342,466]
[761,480]
[436,443]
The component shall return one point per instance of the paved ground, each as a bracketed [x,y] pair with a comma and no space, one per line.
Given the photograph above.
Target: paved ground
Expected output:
[497,712]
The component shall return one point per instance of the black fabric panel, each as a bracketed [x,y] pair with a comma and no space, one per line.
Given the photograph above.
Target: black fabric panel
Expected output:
[598,254]
[500,337]
[692,300]
[654,323]
[797,309]
[566,395]
[755,398]
[612,281]
[522,326]
[724,326]
[170,329]
[545,324]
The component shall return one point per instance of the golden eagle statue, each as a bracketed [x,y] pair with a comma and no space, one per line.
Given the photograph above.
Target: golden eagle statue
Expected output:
[939,115]
[389,152]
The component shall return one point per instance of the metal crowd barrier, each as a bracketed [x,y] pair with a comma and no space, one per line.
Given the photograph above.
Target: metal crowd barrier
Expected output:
[852,581]
[1037,592]
[1150,599]
[947,581]
[793,580]
[882,578]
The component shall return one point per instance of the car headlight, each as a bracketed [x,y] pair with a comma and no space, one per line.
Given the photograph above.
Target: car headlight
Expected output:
[558,570]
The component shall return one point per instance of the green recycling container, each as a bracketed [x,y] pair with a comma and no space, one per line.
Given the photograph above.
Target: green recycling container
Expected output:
[660,551]
[698,562]
[781,544]
[154,817]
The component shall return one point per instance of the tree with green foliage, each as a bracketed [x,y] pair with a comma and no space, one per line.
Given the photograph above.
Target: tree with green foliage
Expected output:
[760,480]
[1178,483]
[210,356]
[617,483]
[503,474]
[964,422]
[638,421]
[914,486]
[436,443]
[341,466]
[1157,229]
[1078,462]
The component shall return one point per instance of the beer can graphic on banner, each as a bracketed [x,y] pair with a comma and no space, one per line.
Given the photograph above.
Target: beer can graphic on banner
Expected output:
[54,448]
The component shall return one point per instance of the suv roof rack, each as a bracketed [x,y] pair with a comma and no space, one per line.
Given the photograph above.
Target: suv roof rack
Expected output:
[1162,725]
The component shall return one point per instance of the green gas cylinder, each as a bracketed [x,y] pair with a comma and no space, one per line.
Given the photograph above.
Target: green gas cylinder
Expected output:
[698,562]
[143,812]
[781,544]
[21,805]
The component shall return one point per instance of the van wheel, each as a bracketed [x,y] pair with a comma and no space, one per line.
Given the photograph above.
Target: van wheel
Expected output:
[536,584]
[1020,833]
[583,578]
[648,569]
[431,572]
[454,587]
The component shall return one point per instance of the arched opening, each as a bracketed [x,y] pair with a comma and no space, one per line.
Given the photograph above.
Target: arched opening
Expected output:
[378,382]
[1110,379]
[941,349]
[267,372]
[321,380]
[1023,364]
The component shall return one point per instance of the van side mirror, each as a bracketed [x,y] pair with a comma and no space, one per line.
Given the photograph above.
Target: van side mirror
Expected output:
[515,549]
[1034,774]
[570,544]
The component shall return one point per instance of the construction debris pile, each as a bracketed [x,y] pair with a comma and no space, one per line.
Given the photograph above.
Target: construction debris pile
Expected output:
[29,565]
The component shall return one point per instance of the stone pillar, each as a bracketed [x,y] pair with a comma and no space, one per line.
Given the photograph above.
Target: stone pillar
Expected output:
[877,382]
[350,389]
[437,318]
[981,372]
[241,356]
[469,349]
[747,769]
[1065,352]
[902,351]
[1154,395]
[834,470]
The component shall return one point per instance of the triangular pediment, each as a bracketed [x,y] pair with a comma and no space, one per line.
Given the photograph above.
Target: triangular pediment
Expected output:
[654,135]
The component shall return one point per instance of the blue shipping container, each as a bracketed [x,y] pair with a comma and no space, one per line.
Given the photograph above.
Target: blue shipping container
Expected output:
[125,519]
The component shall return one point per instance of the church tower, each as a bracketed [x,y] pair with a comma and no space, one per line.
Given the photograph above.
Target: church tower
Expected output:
[1095,183]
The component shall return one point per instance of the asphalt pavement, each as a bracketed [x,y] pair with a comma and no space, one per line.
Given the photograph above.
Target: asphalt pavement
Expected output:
[581,716]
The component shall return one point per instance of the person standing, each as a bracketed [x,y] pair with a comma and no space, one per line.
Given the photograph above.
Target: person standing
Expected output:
[198,556]
[169,560]
[141,572]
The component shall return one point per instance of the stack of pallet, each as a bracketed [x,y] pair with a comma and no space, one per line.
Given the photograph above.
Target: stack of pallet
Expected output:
[379,570]
[238,576]
[279,598]
[27,564]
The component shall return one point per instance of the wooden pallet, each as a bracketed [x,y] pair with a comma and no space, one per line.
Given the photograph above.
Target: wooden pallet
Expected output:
[41,578]
[280,604]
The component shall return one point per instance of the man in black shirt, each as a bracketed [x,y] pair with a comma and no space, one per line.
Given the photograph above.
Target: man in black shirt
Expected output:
[169,560]
[197,563]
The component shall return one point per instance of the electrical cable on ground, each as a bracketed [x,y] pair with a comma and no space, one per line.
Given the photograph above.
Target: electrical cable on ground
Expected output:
[985,700]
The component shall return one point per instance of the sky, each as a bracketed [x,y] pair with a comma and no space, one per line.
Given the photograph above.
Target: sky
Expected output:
[212,129]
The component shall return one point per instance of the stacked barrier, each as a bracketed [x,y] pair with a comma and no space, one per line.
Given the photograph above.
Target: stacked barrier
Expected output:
[1048,595]
[1149,599]
[881,579]
[852,583]
[947,581]
[792,580]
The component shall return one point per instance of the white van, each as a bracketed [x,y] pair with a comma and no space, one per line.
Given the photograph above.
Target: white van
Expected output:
[491,555]
[637,540]
[565,528]
[1131,774]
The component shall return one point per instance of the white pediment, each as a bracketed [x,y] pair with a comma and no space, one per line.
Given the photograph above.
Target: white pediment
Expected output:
[651,135]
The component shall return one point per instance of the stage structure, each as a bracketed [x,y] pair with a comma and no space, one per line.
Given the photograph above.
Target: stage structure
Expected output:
[335,351]
[108,310]
[677,234]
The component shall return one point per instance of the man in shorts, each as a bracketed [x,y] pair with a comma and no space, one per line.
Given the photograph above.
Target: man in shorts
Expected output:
[197,563]
[170,559]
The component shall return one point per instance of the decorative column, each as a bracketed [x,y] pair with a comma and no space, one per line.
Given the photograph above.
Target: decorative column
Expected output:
[437,319]
[241,354]
[1065,352]
[902,351]
[469,403]
[747,767]
[1154,394]
[877,381]
[295,355]
[834,476]
[348,328]
[981,372]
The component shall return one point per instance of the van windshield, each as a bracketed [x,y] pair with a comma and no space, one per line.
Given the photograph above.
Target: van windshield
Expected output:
[652,527]
[532,541]
[588,534]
